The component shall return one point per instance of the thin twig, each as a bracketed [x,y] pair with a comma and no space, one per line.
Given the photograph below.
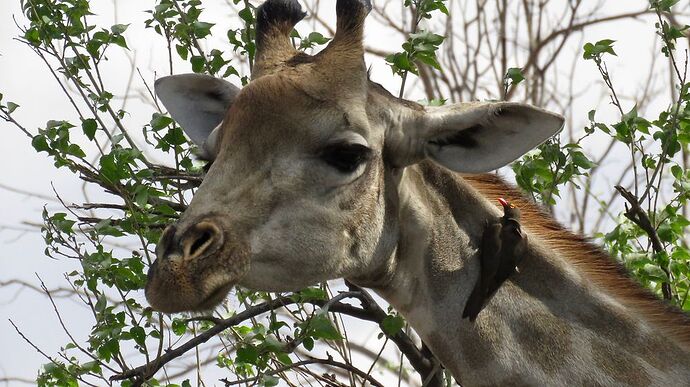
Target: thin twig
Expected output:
[638,216]
[329,362]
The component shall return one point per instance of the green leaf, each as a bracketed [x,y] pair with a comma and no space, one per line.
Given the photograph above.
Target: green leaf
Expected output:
[313,39]
[101,303]
[175,136]
[40,144]
[283,358]
[400,63]
[312,294]
[308,343]
[11,107]
[429,59]
[515,75]
[89,126]
[120,41]
[428,37]
[247,354]
[269,380]
[663,5]
[92,46]
[321,327]
[318,38]
[159,121]
[594,51]
[680,254]
[109,169]
[138,335]
[102,36]
[142,197]
[181,51]
[581,160]
[33,36]
[677,171]
[246,15]
[119,28]
[392,324]
[197,63]
[654,273]
[179,327]
[75,150]
[202,29]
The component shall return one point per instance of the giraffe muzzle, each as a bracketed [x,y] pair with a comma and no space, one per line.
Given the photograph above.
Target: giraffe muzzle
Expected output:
[196,265]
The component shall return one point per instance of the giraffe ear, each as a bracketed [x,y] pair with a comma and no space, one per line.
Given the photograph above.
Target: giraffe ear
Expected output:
[198,103]
[480,137]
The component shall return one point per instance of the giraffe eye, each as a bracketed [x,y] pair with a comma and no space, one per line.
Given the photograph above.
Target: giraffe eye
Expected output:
[345,157]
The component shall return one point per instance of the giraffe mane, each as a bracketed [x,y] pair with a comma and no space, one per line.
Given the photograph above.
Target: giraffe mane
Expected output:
[589,260]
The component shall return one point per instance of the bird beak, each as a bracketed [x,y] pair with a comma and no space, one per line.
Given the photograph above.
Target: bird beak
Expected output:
[504,203]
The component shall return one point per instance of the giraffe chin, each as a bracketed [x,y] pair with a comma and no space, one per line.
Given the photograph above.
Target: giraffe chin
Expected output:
[214,298]
[175,300]
[178,285]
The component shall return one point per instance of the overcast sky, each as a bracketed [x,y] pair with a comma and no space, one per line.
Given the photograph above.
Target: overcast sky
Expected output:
[25,80]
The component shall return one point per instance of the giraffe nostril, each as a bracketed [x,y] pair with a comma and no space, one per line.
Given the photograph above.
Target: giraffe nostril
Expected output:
[166,245]
[198,244]
[201,239]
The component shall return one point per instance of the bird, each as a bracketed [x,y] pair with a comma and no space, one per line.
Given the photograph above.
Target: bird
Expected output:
[513,247]
[502,248]
[489,256]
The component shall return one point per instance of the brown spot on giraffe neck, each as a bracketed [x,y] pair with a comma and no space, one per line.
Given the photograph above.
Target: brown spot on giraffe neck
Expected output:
[514,381]
[544,339]
[620,365]
[618,327]
[480,344]
[591,381]
[450,247]
[443,259]
[647,346]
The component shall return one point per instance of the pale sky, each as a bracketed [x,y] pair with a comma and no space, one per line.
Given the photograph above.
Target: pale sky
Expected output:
[25,80]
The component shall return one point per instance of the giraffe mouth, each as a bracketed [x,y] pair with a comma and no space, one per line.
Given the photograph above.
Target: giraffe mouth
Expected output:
[215,297]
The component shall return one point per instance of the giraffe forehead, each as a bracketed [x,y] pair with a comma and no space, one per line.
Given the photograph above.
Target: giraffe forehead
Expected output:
[277,110]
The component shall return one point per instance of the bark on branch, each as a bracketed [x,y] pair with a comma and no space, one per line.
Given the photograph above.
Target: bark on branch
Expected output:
[426,365]
[637,215]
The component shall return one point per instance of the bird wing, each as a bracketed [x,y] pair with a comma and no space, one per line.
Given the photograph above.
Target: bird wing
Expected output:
[490,247]
[488,264]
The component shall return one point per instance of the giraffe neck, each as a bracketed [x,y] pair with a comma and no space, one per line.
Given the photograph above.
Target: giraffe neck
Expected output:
[547,324]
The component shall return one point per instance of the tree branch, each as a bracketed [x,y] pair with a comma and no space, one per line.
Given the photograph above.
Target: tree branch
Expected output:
[426,365]
[638,216]
[329,362]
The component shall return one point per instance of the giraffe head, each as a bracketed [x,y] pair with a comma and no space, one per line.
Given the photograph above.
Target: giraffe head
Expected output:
[302,186]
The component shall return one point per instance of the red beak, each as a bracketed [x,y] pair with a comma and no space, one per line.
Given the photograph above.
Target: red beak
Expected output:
[504,203]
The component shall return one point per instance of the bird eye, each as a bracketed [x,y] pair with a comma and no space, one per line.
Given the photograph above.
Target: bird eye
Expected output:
[345,157]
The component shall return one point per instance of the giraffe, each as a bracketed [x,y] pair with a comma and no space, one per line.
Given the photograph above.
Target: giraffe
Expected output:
[318,173]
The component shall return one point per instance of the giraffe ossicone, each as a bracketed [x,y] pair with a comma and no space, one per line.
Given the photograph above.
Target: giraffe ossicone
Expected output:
[319,173]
